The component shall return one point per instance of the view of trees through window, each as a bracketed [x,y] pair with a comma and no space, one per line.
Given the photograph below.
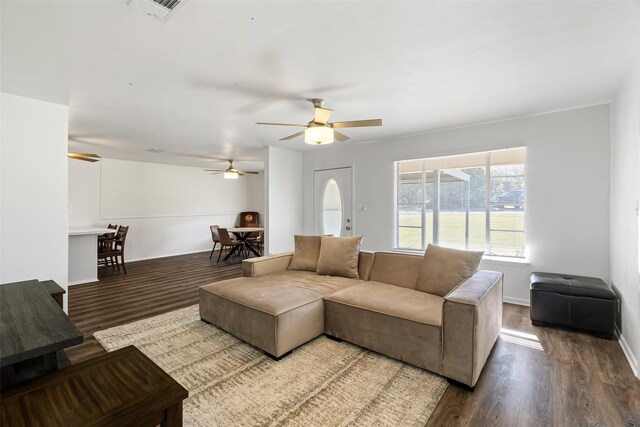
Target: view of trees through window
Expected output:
[472,201]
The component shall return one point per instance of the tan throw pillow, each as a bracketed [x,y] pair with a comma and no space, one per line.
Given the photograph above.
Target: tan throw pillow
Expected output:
[306,253]
[339,256]
[443,269]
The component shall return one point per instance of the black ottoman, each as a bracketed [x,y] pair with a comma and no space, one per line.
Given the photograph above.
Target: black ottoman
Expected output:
[580,302]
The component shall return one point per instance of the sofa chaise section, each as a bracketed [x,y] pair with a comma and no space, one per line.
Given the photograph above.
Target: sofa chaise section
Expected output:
[275,312]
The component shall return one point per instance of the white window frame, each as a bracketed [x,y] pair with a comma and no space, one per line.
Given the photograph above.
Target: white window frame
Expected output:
[436,212]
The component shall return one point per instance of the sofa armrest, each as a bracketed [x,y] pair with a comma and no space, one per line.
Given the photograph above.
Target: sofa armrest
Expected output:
[261,266]
[471,323]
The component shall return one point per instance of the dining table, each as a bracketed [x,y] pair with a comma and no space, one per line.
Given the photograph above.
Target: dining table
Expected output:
[243,234]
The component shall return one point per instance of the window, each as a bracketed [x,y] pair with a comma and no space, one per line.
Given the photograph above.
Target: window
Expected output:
[472,201]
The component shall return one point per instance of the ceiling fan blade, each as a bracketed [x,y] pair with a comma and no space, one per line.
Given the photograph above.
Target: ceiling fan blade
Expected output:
[240,173]
[357,123]
[214,170]
[295,135]
[281,124]
[322,115]
[215,173]
[87,157]
[340,136]
[248,172]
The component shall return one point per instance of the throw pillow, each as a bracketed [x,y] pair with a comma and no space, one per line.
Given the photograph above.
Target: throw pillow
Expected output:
[305,256]
[339,256]
[443,269]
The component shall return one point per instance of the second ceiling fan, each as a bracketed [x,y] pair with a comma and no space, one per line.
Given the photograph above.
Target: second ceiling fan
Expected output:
[319,130]
[231,172]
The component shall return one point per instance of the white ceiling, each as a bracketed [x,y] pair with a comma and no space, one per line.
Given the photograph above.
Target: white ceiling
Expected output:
[196,84]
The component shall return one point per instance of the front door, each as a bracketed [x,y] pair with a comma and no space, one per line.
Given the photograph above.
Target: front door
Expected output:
[333,201]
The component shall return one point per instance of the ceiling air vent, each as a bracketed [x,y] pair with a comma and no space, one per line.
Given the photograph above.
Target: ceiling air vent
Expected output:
[160,9]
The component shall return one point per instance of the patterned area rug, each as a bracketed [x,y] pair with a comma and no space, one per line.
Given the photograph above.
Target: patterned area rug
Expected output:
[322,383]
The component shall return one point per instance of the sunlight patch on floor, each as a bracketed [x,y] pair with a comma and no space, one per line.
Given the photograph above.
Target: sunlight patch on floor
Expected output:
[521,338]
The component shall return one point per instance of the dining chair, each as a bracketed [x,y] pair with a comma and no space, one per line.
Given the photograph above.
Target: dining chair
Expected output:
[215,237]
[114,248]
[227,242]
[102,237]
[247,218]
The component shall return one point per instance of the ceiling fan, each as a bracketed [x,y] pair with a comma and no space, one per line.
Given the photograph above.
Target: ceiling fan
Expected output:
[230,172]
[84,156]
[319,130]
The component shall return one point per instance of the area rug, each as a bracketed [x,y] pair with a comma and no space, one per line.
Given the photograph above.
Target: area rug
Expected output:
[322,383]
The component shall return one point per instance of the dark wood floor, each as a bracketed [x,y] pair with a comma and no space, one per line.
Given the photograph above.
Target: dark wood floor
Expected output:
[534,376]
[150,288]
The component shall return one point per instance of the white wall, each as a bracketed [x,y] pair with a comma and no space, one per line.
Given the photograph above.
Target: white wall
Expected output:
[165,222]
[283,192]
[625,178]
[33,184]
[567,188]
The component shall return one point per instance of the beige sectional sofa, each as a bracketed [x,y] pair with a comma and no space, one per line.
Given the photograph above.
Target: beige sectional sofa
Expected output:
[277,310]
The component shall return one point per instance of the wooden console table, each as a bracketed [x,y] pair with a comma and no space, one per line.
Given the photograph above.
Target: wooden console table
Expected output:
[33,332]
[121,388]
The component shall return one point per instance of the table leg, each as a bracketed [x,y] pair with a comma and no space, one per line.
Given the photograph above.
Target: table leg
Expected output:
[231,252]
[28,369]
[252,248]
[173,416]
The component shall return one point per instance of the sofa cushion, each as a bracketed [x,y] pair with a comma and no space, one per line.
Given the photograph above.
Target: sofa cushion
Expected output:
[307,251]
[277,293]
[401,323]
[396,269]
[444,268]
[339,256]
[393,301]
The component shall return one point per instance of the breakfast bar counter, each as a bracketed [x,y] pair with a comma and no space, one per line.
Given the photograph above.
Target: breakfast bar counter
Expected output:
[83,253]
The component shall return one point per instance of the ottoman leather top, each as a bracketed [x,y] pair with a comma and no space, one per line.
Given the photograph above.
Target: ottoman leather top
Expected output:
[568,284]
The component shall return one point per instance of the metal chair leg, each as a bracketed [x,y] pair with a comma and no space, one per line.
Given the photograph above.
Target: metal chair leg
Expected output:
[213,249]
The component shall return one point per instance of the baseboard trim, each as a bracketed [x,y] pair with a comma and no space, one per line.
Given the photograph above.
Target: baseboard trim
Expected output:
[167,255]
[517,301]
[82,281]
[631,358]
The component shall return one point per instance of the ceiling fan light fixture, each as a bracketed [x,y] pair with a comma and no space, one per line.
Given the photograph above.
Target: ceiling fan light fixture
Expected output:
[231,175]
[318,135]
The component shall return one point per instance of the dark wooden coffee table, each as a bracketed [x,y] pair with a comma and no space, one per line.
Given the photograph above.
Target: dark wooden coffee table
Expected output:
[33,332]
[121,388]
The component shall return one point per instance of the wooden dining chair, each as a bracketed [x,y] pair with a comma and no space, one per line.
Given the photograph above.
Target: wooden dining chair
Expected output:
[215,237]
[227,242]
[102,237]
[114,249]
[247,218]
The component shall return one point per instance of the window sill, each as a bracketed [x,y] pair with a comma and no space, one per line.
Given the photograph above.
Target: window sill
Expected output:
[505,260]
[492,259]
